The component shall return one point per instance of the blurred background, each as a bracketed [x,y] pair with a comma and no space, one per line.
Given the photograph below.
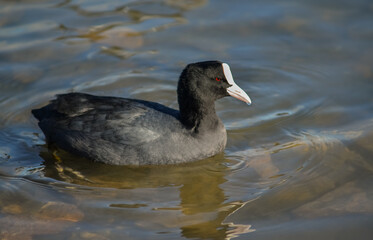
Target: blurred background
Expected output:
[298,162]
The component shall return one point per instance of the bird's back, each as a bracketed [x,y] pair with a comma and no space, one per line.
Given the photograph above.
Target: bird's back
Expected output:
[110,129]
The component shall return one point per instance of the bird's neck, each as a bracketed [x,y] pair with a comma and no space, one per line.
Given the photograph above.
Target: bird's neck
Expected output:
[198,115]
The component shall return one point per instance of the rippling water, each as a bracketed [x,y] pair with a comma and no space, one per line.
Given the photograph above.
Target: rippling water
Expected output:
[298,163]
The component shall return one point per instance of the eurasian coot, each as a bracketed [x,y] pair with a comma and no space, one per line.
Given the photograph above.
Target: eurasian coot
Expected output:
[126,131]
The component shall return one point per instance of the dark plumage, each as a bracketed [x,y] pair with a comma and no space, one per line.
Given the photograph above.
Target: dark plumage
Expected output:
[135,132]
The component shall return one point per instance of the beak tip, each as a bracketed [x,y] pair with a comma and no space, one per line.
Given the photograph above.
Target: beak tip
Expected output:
[249,101]
[240,95]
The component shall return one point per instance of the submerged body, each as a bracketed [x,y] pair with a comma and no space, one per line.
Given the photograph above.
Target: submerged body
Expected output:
[124,131]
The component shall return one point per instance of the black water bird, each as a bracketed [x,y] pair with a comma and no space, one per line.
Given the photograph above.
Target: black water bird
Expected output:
[124,131]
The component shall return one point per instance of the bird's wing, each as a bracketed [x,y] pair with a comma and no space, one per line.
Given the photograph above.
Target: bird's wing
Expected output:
[110,119]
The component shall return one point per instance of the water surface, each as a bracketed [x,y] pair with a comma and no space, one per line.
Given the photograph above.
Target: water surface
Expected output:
[298,162]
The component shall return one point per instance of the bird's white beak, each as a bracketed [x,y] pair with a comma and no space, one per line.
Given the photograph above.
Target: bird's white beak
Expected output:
[235,90]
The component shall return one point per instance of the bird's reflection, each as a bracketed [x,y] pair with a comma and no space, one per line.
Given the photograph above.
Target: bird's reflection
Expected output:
[202,202]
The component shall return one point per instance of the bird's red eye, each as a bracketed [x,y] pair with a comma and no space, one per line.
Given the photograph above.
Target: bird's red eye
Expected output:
[218,79]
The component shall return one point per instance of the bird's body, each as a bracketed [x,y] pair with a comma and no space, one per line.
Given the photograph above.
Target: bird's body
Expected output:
[124,131]
[112,129]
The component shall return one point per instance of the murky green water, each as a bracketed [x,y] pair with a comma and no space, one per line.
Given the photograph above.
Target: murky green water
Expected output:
[298,163]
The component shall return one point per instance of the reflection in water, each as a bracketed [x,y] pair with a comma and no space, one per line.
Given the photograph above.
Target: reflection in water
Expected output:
[200,210]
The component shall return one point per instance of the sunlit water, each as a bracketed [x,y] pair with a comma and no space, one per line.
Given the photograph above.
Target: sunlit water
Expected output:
[298,163]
